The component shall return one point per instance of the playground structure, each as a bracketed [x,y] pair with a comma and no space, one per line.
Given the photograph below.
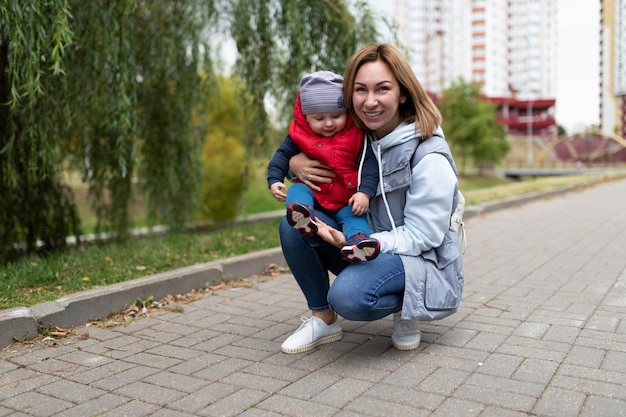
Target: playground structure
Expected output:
[583,149]
[532,135]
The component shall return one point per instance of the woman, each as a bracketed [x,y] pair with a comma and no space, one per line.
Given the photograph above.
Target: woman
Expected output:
[410,214]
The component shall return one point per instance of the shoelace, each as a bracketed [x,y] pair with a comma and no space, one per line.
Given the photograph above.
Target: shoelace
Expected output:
[304,320]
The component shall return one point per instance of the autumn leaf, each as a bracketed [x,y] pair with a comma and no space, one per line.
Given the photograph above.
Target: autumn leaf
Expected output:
[218,286]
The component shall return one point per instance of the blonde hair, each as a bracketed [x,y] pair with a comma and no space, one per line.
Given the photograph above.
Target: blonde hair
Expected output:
[418,107]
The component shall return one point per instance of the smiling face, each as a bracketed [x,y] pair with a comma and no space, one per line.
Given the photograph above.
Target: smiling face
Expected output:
[376,98]
[327,124]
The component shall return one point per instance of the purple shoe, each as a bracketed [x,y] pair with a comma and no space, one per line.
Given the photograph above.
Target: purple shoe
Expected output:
[360,247]
[301,217]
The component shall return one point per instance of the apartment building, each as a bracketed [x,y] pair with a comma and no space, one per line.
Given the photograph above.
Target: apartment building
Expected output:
[612,111]
[508,47]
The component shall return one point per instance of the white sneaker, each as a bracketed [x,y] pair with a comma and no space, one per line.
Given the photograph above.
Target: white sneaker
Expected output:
[406,333]
[311,333]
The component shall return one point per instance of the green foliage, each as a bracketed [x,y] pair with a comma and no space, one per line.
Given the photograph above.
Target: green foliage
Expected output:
[113,87]
[224,152]
[35,208]
[24,337]
[280,40]
[37,37]
[470,125]
[224,180]
[141,61]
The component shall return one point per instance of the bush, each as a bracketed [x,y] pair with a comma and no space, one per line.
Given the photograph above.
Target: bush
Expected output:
[225,177]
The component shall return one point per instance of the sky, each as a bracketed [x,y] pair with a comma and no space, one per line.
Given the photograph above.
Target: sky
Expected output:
[578,63]
[577,97]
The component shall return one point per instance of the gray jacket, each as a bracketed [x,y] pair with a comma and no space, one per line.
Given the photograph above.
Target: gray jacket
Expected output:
[430,253]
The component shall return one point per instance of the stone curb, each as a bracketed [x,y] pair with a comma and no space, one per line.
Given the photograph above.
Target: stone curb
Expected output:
[21,323]
[505,203]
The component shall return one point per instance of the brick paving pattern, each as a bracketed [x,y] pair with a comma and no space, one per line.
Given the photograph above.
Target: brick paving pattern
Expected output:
[541,332]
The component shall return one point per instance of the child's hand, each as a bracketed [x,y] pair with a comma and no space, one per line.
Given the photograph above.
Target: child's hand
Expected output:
[279,191]
[360,203]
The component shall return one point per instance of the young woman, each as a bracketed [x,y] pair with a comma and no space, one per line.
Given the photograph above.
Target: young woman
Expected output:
[418,274]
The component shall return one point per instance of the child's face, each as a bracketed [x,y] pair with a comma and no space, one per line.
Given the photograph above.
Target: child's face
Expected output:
[327,124]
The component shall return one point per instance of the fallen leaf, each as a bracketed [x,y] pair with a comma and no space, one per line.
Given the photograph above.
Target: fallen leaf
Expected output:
[273,270]
[218,286]
[242,283]
[140,268]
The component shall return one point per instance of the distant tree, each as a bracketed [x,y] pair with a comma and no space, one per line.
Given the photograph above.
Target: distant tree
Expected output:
[471,127]
[224,160]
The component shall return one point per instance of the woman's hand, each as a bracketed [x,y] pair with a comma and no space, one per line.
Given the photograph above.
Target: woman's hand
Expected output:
[310,171]
[330,234]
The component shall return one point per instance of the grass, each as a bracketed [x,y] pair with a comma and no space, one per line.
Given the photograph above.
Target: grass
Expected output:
[484,189]
[38,279]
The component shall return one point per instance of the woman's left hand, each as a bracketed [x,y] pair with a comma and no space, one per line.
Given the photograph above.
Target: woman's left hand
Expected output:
[330,234]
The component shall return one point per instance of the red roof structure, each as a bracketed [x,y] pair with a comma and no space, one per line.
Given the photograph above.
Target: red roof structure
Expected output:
[521,117]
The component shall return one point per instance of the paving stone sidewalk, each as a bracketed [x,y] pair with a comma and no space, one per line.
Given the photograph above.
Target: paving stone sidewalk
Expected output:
[541,332]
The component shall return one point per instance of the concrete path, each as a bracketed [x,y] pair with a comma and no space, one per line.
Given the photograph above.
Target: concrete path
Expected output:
[541,332]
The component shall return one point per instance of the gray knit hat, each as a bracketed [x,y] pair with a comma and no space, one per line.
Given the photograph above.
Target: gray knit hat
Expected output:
[321,92]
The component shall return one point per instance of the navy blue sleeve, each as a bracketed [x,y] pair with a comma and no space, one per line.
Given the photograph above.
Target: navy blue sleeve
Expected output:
[279,164]
[369,173]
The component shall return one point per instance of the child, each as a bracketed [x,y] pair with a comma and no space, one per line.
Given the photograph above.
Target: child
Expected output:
[323,130]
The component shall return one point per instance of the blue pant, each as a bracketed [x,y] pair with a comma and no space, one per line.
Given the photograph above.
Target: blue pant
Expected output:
[350,222]
[363,291]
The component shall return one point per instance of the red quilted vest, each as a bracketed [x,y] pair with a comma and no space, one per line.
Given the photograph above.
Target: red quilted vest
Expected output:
[340,152]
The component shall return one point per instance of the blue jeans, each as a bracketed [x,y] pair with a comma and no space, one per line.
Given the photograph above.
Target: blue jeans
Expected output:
[350,222]
[363,291]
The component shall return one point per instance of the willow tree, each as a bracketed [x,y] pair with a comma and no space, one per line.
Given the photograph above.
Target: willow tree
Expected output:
[34,203]
[278,41]
[109,86]
[134,80]
[113,87]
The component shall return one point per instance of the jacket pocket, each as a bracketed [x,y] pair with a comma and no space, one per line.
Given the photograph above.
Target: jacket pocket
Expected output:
[399,178]
[350,181]
[443,286]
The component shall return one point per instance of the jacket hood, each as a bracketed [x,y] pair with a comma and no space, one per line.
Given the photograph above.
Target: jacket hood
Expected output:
[405,132]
